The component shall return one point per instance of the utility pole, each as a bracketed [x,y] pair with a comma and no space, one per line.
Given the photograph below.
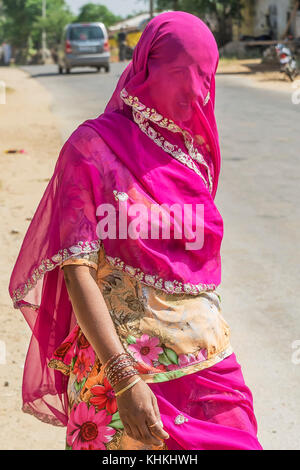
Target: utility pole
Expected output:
[44,36]
[151,9]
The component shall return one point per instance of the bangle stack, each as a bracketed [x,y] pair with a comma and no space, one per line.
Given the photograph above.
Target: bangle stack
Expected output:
[118,368]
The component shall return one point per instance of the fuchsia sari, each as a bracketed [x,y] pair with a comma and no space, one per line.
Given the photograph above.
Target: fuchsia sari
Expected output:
[157,141]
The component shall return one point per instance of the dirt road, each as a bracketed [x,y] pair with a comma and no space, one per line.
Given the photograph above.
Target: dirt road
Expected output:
[258,198]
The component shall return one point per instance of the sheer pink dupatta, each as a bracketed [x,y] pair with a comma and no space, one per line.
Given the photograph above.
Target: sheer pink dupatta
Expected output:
[157,141]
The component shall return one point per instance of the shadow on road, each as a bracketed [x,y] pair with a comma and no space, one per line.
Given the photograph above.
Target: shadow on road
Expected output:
[51,74]
[246,72]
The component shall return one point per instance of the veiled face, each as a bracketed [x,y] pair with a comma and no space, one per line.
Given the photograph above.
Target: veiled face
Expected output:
[177,85]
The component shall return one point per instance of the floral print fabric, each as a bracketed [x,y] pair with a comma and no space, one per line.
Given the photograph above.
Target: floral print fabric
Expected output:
[165,333]
[94,422]
[168,336]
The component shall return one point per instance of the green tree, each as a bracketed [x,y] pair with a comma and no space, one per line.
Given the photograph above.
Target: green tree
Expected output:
[23,21]
[91,12]
[58,16]
[224,11]
[20,16]
[21,24]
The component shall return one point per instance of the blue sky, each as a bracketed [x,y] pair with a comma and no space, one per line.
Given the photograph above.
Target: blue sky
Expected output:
[118,7]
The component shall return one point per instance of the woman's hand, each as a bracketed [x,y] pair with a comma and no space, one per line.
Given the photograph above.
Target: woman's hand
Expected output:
[138,409]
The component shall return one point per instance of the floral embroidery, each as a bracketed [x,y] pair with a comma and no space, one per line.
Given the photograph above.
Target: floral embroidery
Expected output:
[94,246]
[170,287]
[144,113]
[86,259]
[180,419]
[149,113]
[174,150]
[206,99]
[119,196]
[49,264]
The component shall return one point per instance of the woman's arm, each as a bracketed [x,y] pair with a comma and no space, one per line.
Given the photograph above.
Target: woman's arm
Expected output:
[137,406]
[91,311]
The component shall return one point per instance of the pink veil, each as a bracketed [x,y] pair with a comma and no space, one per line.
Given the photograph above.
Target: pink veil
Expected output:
[160,116]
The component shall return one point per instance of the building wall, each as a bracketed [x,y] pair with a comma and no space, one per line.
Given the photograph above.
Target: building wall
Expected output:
[255,22]
[297,25]
[277,10]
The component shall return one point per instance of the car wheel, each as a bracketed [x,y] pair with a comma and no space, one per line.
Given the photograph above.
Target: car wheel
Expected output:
[98,69]
[107,68]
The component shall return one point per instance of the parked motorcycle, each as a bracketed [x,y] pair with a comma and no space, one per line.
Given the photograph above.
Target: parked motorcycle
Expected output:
[288,63]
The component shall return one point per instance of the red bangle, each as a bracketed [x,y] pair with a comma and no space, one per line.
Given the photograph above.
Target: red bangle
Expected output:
[121,379]
[113,357]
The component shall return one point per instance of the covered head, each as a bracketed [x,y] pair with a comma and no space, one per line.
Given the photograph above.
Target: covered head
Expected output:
[172,74]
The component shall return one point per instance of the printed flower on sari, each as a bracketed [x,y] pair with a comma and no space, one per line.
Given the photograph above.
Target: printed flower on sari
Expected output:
[104,397]
[62,350]
[145,349]
[82,342]
[88,430]
[186,359]
[202,355]
[82,366]
[172,367]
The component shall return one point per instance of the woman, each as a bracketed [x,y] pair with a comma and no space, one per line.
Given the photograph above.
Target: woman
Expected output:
[129,348]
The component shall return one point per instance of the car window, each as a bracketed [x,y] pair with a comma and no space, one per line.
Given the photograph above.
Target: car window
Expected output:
[85,33]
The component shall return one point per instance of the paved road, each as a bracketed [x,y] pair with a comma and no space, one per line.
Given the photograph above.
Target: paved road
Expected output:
[258,197]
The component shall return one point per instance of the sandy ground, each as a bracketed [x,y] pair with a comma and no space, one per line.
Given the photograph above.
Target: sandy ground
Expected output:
[27,123]
[260,75]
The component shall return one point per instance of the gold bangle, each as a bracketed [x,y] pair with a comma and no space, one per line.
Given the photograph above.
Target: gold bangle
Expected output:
[128,386]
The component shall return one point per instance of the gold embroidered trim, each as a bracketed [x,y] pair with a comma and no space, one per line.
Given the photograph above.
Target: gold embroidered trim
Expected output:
[120,196]
[164,144]
[48,264]
[206,99]
[171,287]
[86,259]
[42,416]
[154,116]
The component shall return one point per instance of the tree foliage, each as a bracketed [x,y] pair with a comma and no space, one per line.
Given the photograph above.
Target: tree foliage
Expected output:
[224,11]
[91,12]
[21,22]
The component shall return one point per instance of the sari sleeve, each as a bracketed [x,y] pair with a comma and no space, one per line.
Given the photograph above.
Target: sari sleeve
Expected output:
[85,259]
